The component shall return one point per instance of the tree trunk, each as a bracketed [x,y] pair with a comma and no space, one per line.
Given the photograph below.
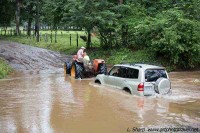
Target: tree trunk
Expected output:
[30,19]
[121,1]
[37,22]
[29,26]
[104,39]
[5,30]
[89,39]
[17,15]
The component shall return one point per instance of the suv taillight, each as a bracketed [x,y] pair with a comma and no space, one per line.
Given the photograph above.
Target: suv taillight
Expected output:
[141,87]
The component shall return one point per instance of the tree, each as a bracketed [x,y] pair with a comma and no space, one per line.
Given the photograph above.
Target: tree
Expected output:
[17,15]
[168,28]
[37,21]
[108,23]
[7,10]
[81,14]
[90,14]
[190,8]
[28,13]
[53,12]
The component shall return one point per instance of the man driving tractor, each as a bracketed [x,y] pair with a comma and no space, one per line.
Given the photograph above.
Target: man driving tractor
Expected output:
[80,54]
[83,57]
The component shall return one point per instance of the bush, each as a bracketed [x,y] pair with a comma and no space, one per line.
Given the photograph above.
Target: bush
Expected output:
[123,55]
[4,69]
[171,36]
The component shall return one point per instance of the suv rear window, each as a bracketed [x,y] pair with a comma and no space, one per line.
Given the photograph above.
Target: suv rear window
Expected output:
[154,74]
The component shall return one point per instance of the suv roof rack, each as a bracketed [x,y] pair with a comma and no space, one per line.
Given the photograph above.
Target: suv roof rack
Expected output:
[137,63]
[132,64]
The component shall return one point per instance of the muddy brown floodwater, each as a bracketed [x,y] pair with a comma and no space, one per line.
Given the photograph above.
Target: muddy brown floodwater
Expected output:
[47,101]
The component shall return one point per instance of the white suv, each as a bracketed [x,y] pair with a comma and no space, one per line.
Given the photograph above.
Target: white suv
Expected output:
[138,79]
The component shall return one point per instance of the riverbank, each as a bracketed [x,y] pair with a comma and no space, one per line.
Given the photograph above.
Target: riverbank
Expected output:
[5,69]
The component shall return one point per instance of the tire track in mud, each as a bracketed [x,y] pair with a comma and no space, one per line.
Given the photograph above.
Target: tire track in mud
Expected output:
[25,57]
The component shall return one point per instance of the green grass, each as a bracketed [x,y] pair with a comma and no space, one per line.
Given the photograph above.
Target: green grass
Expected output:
[61,44]
[5,69]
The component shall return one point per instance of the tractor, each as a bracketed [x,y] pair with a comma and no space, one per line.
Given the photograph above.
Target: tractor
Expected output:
[77,70]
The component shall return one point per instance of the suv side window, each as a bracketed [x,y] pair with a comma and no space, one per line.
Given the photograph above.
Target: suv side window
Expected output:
[154,74]
[126,72]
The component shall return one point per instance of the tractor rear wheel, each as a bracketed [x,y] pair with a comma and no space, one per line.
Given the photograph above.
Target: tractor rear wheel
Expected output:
[102,68]
[77,70]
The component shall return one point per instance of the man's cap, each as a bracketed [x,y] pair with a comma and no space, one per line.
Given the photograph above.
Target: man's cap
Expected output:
[83,47]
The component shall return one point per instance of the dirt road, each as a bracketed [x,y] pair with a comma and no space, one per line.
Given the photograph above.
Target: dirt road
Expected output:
[24,57]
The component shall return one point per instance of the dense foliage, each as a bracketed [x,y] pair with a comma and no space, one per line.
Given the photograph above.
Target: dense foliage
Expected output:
[168,28]
[172,32]
[6,13]
[170,35]
[101,17]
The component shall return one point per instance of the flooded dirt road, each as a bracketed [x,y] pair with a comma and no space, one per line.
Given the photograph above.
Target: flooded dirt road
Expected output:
[47,101]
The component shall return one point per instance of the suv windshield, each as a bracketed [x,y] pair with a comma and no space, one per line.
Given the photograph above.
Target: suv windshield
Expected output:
[154,74]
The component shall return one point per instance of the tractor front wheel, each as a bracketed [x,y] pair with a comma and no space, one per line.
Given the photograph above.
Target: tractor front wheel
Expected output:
[67,67]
